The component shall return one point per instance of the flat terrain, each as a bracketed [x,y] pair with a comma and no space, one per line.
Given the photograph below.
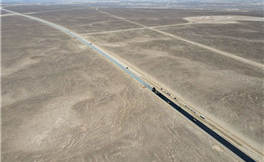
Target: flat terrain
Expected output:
[3,12]
[63,102]
[228,91]
[41,8]
[155,17]
[85,20]
[219,87]
[244,39]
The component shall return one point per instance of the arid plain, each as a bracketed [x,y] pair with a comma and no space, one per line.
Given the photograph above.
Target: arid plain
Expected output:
[62,101]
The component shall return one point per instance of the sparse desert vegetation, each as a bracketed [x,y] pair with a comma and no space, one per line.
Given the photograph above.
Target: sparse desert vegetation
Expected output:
[62,101]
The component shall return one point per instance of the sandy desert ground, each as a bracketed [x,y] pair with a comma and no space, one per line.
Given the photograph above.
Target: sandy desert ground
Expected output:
[63,102]
[243,38]
[221,88]
[228,91]
[85,21]
[41,8]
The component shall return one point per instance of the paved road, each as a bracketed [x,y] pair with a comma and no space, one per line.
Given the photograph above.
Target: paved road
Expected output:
[230,55]
[119,64]
[94,47]
[212,133]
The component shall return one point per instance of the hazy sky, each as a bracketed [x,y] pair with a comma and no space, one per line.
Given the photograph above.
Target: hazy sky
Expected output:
[63,1]
[119,0]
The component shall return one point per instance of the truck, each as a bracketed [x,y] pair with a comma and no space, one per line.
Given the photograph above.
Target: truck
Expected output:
[202,116]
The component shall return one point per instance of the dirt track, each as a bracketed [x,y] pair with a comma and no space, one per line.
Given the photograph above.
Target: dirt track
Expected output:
[230,55]
[66,103]
[248,79]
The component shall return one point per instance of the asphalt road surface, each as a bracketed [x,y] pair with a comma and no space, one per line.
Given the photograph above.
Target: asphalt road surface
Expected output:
[216,136]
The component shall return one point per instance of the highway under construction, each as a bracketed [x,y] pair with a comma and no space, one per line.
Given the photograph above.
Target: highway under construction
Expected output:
[148,84]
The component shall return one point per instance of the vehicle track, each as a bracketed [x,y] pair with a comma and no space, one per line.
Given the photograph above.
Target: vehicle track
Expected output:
[181,102]
[116,62]
[227,54]
[133,29]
